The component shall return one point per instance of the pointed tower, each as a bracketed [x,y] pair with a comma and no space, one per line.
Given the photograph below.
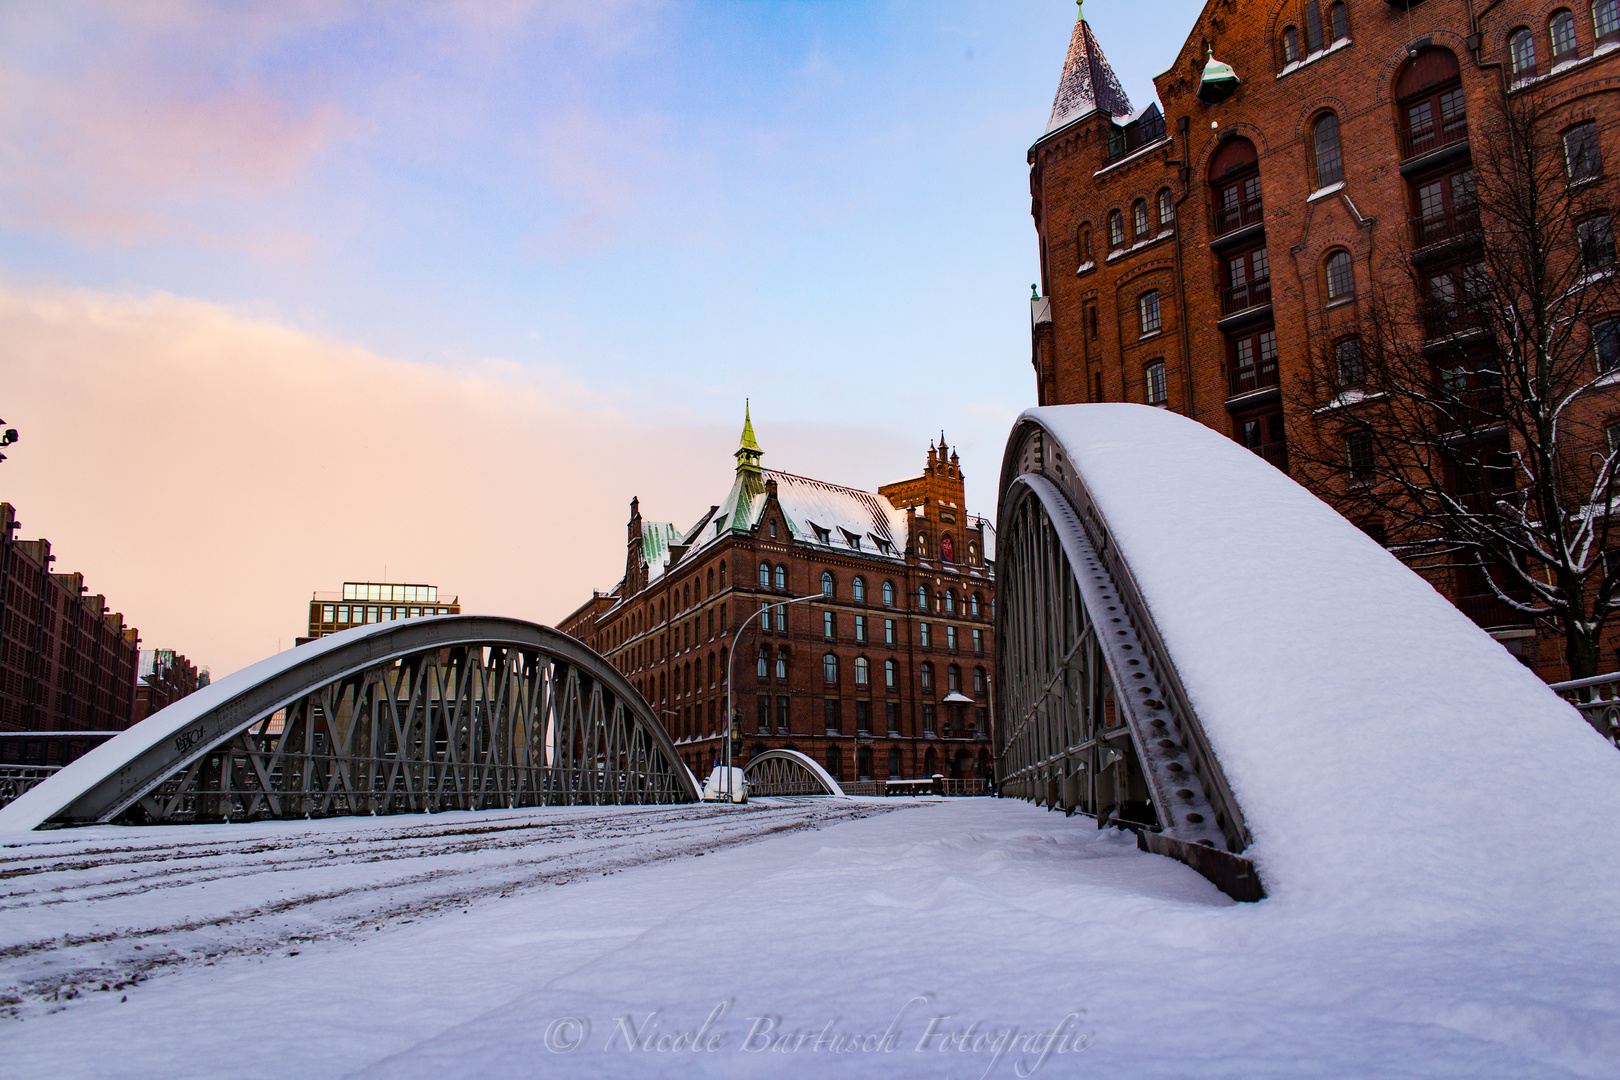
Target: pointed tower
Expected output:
[1088,82]
[748,451]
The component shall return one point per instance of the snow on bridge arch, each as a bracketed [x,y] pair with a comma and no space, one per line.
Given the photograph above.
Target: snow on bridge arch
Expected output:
[1191,644]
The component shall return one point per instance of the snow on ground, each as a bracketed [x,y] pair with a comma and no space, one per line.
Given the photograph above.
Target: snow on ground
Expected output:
[899,938]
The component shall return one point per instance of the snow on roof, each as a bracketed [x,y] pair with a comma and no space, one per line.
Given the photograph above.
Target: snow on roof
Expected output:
[1087,84]
[1380,744]
[840,517]
[656,536]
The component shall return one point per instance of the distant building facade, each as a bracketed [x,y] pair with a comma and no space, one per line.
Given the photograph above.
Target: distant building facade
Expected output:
[67,663]
[361,602]
[885,673]
[164,678]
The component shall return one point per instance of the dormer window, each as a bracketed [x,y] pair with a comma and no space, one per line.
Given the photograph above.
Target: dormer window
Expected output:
[852,539]
[823,536]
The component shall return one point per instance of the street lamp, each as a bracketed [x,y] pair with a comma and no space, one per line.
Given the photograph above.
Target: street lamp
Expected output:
[731,656]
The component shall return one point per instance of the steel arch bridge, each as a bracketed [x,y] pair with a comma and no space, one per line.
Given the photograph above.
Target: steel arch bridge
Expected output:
[1093,718]
[788,772]
[459,712]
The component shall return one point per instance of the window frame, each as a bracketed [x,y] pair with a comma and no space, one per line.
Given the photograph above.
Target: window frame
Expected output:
[1521,48]
[1573,51]
[1116,230]
[1326,169]
[1154,385]
[1150,317]
[1594,144]
[1340,267]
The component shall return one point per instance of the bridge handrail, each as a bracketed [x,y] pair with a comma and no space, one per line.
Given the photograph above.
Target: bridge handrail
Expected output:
[1603,713]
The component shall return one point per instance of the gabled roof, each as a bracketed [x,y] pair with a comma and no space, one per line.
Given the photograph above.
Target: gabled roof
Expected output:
[814,512]
[1088,82]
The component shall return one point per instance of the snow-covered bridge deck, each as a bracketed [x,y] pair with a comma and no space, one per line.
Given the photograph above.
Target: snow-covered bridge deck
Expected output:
[554,925]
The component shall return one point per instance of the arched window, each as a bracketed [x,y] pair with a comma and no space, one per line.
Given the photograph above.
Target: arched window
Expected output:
[764,662]
[927,677]
[888,594]
[947,548]
[1167,209]
[930,763]
[950,602]
[1313,26]
[1606,20]
[1341,279]
[1522,50]
[781,578]
[1235,175]
[826,583]
[711,669]
[1339,22]
[1116,229]
[1083,243]
[1290,44]
[863,671]
[973,605]
[1561,32]
[1139,218]
[922,598]
[781,665]
[708,586]
[1432,109]
[857,589]
[1147,310]
[894,763]
[722,575]
[829,668]
[891,675]
[1325,150]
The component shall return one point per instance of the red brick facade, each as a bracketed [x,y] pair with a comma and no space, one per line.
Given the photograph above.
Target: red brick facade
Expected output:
[1238,183]
[66,662]
[903,602]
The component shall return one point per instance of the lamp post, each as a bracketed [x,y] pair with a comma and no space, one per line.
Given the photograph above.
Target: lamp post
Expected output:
[731,656]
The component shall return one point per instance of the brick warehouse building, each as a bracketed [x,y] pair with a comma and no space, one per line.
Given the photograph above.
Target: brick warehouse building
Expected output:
[67,664]
[1194,257]
[885,673]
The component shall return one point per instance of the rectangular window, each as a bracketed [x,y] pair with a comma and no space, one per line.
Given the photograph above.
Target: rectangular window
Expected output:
[863,717]
[1359,447]
[1147,306]
[1597,244]
[1347,360]
[782,716]
[764,713]
[829,710]
[371,614]
[343,613]
[928,717]
[1153,377]
[829,629]
[1606,344]
[328,613]
[891,713]
[888,631]
[978,642]
[1583,154]
[860,628]
[923,635]
[950,638]
[765,617]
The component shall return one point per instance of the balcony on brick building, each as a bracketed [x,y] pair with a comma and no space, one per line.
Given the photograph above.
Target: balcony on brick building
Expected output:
[1240,213]
[1452,224]
[1243,297]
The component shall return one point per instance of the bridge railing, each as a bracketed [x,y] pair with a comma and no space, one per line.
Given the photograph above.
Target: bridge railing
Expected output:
[1598,699]
[16,779]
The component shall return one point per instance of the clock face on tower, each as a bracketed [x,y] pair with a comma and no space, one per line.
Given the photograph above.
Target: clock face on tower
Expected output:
[947,550]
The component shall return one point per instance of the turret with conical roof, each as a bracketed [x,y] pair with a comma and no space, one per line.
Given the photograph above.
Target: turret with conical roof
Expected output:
[1088,83]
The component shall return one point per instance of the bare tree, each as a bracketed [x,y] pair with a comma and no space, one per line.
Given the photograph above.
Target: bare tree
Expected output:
[1462,412]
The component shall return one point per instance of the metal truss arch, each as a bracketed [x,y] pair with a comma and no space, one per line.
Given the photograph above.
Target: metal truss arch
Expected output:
[459,712]
[788,772]
[1093,715]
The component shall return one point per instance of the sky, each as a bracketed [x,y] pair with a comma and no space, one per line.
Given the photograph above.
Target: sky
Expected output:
[295,293]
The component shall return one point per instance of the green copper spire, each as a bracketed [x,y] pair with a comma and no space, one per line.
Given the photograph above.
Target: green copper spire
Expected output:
[748,451]
[1080,15]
